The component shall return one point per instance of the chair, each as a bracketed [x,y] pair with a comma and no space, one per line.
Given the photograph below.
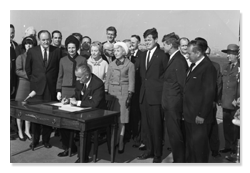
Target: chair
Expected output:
[110,101]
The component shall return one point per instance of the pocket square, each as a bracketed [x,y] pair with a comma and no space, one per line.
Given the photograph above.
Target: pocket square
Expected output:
[194,77]
[90,97]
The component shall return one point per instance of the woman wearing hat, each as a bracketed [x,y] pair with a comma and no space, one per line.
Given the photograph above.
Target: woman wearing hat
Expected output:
[98,66]
[120,82]
[66,82]
[23,89]
[66,76]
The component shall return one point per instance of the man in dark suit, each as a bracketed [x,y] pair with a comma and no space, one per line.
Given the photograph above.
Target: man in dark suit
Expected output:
[13,44]
[198,97]
[57,41]
[108,52]
[89,92]
[42,66]
[172,94]
[135,113]
[230,92]
[152,66]
[214,139]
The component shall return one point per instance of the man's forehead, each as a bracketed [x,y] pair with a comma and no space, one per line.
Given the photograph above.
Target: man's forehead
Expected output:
[108,46]
[183,42]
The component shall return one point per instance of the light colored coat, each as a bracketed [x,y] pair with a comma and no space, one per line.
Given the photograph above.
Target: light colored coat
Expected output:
[121,80]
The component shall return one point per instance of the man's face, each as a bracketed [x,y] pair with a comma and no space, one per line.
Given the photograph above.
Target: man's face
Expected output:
[57,39]
[111,36]
[12,33]
[232,58]
[81,77]
[208,52]
[86,40]
[44,40]
[150,42]
[134,43]
[130,50]
[183,46]
[166,47]
[192,56]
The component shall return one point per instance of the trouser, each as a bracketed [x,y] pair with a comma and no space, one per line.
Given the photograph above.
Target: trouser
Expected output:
[176,131]
[46,130]
[197,139]
[214,140]
[231,131]
[152,124]
[65,138]
[135,120]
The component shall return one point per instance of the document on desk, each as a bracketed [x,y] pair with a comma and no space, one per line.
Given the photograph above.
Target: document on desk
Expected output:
[69,108]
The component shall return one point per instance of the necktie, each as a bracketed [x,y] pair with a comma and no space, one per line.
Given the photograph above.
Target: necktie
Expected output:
[232,66]
[148,59]
[45,58]
[83,89]
[190,68]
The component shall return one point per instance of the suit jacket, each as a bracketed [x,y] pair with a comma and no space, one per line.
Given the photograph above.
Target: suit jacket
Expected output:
[94,95]
[218,93]
[38,74]
[19,50]
[152,77]
[174,81]
[230,86]
[13,77]
[199,92]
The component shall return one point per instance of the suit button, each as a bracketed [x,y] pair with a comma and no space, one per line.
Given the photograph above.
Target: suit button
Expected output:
[145,79]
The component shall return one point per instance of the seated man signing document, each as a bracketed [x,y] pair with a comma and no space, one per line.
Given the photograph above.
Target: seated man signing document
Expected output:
[89,92]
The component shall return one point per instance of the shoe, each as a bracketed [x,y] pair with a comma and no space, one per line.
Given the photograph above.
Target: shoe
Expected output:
[145,156]
[143,148]
[66,153]
[135,146]
[21,139]
[225,150]
[77,161]
[27,136]
[157,160]
[216,154]
[121,151]
[33,145]
[47,145]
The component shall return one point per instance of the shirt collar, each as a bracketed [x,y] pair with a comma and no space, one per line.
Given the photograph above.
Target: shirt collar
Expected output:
[153,50]
[171,56]
[87,84]
[198,62]
[135,52]
[43,48]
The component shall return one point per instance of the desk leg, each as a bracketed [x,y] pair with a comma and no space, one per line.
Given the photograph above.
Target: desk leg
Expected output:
[113,139]
[83,142]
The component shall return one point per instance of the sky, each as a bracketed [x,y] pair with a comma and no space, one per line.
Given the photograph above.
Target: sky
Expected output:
[219,28]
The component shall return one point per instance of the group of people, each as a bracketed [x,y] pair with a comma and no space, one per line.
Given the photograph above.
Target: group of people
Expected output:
[176,86]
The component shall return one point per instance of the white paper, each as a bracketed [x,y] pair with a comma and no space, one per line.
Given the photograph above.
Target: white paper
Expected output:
[68,107]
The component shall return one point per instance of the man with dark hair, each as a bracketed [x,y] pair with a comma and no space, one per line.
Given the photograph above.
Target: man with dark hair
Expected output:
[172,96]
[214,139]
[153,64]
[111,35]
[57,41]
[42,66]
[85,47]
[12,35]
[135,113]
[183,44]
[198,97]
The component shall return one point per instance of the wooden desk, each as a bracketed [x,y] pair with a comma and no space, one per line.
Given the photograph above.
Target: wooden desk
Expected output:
[84,121]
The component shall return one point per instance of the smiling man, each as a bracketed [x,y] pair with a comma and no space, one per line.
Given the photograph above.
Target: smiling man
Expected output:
[111,35]
[153,63]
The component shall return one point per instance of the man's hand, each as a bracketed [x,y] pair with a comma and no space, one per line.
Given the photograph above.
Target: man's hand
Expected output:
[128,101]
[65,101]
[199,120]
[59,96]
[73,101]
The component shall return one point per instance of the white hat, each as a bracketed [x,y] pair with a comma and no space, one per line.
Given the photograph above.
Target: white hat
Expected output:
[30,31]
[123,45]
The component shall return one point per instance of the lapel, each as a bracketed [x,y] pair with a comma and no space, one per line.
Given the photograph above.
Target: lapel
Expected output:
[88,90]
[155,55]
[126,61]
[234,70]
[51,50]
[40,55]
[171,60]
[196,68]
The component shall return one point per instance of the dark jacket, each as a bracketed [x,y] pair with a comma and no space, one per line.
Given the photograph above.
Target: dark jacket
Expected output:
[94,95]
[174,81]
[38,74]
[199,92]
[152,77]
